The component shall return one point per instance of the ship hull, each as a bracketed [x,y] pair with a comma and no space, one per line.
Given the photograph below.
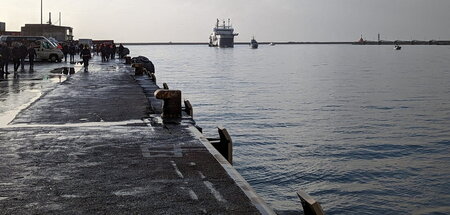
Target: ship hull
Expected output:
[222,42]
[226,42]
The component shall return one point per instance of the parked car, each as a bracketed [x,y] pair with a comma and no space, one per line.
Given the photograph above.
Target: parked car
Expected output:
[45,49]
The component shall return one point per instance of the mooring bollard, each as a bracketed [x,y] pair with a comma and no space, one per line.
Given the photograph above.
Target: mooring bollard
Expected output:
[172,102]
[224,144]
[127,60]
[138,69]
[165,86]
[310,206]
[188,108]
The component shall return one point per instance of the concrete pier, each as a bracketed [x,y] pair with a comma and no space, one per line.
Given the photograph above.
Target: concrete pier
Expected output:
[96,144]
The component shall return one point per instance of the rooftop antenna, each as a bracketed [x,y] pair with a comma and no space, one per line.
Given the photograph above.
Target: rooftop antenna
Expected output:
[41,12]
[50,18]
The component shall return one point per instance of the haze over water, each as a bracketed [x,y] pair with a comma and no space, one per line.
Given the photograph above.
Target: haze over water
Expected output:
[363,129]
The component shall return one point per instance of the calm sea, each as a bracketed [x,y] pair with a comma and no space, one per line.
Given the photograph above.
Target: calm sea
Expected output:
[362,129]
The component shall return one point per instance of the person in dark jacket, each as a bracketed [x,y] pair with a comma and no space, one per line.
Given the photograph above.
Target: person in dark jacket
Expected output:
[1,62]
[4,59]
[65,50]
[31,55]
[72,52]
[103,52]
[23,54]
[121,50]
[107,51]
[113,51]
[86,55]
[15,55]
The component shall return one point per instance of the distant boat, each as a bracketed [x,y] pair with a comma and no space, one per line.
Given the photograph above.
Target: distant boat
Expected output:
[272,44]
[397,47]
[254,43]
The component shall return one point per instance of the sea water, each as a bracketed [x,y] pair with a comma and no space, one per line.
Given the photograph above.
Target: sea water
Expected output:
[362,129]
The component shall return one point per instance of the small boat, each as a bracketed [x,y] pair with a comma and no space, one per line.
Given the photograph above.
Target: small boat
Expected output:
[254,43]
[272,44]
[397,47]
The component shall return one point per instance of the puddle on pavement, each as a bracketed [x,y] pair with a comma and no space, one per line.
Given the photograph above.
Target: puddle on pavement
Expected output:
[7,116]
[64,70]
[60,74]
[29,89]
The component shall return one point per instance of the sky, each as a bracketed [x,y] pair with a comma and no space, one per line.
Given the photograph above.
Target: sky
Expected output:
[267,20]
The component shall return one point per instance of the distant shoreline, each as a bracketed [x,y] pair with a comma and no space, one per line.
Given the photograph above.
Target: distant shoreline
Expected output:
[399,42]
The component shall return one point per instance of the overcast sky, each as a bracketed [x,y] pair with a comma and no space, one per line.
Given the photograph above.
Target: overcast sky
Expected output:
[267,20]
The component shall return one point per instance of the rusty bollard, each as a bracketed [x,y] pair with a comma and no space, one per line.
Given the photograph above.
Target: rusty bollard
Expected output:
[128,60]
[310,206]
[172,102]
[138,69]
[224,144]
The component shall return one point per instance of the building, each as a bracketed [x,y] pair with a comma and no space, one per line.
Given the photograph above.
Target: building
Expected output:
[9,33]
[60,33]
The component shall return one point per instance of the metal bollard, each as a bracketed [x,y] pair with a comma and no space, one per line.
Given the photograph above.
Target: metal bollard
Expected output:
[310,206]
[172,102]
[188,108]
[224,144]
[138,69]
[127,60]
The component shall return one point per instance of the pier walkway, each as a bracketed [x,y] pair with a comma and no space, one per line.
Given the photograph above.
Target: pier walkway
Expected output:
[96,145]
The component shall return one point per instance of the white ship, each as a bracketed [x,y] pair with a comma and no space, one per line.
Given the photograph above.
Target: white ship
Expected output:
[222,35]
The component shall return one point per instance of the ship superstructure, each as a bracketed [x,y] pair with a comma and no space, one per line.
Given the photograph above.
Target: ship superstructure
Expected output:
[222,35]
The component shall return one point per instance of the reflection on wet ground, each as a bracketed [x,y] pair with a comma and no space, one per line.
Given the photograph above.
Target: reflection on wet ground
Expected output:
[17,92]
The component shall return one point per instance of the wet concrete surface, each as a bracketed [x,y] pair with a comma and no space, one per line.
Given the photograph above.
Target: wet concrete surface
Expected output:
[94,144]
[18,92]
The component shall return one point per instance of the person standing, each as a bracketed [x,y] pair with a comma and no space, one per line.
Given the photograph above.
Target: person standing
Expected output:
[80,48]
[15,54]
[1,62]
[103,52]
[65,50]
[113,51]
[107,51]
[23,54]
[4,60]
[86,55]
[31,55]
[72,52]
[121,51]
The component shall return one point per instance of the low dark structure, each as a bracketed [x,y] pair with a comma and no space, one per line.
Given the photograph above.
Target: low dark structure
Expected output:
[60,33]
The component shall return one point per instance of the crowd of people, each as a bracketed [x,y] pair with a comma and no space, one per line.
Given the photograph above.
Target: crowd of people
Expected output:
[17,53]
[71,49]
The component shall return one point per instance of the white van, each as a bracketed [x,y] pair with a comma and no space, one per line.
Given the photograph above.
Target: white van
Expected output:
[45,49]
